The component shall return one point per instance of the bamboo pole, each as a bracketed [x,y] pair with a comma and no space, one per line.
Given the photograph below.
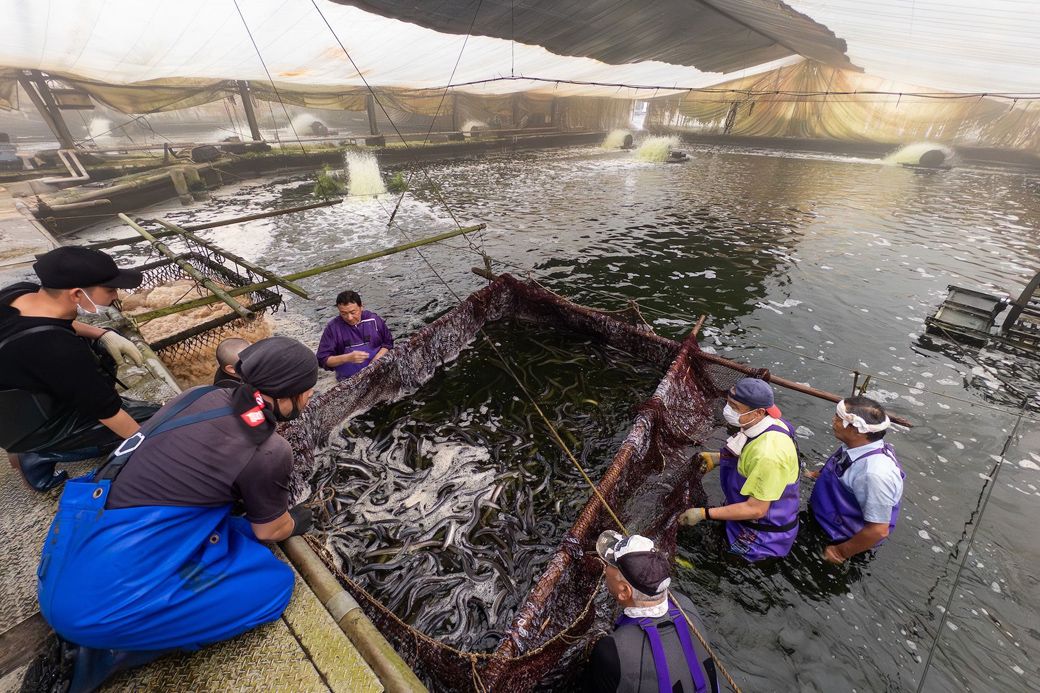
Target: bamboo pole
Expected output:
[261,215]
[321,269]
[219,222]
[219,294]
[265,273]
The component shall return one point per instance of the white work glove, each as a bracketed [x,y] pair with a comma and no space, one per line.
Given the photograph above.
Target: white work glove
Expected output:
[693,516]
[120,347]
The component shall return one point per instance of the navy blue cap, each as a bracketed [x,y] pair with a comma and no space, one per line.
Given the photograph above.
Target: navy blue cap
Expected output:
[753,392]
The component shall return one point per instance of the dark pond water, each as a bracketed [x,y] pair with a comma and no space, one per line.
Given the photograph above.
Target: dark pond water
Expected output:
[811,266]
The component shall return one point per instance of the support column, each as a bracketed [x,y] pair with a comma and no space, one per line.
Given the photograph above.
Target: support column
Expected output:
[247,104]
[455,124]
[554,113]
[36,87]
[370,106]
[516,111]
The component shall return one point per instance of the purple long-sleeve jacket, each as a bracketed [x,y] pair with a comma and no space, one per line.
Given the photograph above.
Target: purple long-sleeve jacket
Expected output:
[369,335]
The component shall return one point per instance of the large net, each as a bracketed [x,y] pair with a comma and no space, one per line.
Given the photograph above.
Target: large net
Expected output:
[649,481]
[194,334]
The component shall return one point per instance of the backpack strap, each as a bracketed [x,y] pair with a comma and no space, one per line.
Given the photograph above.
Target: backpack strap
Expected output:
[163,422]
[25,333]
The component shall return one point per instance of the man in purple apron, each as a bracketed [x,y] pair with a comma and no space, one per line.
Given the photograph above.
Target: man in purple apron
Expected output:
[354,339]
[857,493]
[653,648]
[759,476]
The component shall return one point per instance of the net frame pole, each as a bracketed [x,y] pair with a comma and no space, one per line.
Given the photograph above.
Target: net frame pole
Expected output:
[219,294]
[313,271]
[256,269]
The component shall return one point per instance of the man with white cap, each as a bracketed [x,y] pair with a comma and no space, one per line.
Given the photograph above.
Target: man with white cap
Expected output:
[652,648]
[759,475]
[857,493]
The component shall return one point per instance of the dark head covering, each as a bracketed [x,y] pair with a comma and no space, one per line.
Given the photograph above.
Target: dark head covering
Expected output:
[76,267]
[278,367]
[641,564]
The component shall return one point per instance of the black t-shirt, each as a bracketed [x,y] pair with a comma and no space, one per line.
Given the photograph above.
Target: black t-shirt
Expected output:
[55,362]
[208,464]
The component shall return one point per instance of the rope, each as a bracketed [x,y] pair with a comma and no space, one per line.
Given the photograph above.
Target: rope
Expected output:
[553,432]
[990,484]
[269,77]
[408,147]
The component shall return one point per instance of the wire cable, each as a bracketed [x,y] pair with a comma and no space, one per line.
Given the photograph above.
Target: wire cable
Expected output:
[269,77]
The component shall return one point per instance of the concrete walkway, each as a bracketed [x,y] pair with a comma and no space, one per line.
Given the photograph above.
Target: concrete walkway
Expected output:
[21,236]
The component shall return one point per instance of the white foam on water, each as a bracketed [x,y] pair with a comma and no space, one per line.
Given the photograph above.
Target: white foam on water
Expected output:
[995,587]
[1027,464]
[656,148]
[615,138]
[363,170]
[923,534]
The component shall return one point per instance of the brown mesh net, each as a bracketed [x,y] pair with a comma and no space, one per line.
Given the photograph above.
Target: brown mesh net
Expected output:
[553,626]
[222,270]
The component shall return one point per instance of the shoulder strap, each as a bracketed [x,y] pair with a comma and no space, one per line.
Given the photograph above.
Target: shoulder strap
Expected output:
[164,421]
[682,628]
[664,677]
[25,333]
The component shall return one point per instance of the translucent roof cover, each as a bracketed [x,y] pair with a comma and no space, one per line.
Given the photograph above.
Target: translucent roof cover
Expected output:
[148,55]
[129,41]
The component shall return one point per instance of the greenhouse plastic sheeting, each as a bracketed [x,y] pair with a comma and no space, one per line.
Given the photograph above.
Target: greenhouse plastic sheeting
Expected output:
[811,100]
[145,46]
[711,35]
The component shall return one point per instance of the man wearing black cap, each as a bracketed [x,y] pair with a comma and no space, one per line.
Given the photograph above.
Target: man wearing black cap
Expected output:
[57,391]
[149,558]
[653,647]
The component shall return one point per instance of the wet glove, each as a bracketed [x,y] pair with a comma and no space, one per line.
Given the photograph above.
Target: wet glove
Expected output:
[693,516]
[120,347]
[303,519]
[708,460]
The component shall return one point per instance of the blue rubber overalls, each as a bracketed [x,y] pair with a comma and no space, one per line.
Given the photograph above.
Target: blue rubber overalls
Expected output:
[154,578]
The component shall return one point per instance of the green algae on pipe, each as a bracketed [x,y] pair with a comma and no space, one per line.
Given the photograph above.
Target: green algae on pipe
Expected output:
[321,269]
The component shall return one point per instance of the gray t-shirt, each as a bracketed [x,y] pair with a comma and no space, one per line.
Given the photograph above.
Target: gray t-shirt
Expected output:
[208,464]
[875,482]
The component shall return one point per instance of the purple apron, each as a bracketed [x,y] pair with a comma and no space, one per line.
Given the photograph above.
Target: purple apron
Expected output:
[834,506]
[345,370]
[774,534]
[682,629]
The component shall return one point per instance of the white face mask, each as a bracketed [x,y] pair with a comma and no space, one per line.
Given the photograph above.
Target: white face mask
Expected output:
[83,311]
[731,415]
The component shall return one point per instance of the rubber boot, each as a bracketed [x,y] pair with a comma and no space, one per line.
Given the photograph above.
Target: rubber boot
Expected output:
[93,667]
[37,468]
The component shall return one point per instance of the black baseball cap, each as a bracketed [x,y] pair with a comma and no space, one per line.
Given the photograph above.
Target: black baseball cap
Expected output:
[76,267]
[640,563]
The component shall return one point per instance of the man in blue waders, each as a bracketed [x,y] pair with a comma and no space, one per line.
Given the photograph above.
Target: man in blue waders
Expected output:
[759,473]
[145,556]
[857,493]
[653,648]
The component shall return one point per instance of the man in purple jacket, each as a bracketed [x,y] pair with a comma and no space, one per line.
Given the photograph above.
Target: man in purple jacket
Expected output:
[354,339]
